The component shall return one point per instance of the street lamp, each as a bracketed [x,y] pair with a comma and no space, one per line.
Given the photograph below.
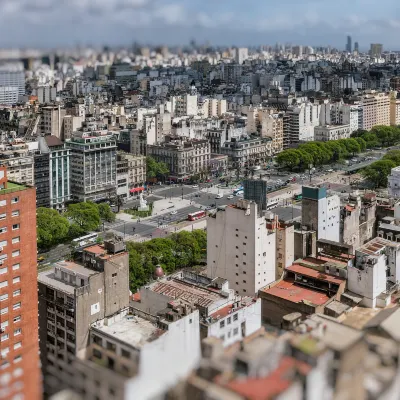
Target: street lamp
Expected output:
[182,192]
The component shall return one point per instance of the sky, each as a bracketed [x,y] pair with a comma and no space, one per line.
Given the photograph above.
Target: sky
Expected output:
[50,23]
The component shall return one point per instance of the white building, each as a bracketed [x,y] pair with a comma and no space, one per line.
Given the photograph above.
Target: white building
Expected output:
[184,105]
[331,132]
[9,95]
[242,54]
[367,277]
[240,248]
[321,213]
[394,182]
[346,114]
[13,75]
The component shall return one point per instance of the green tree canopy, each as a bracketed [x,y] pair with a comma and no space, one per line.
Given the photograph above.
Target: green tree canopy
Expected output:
[378,172]
[84,215]
[52,228]
[155,169]
[362,143]
[105,212]
[289,158]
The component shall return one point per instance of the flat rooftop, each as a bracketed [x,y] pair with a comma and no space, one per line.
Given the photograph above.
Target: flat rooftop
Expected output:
[12,187]
[131,330]
[193,294]
[288,290]
[374,246]
[299,269]
[74,268]
[48,278]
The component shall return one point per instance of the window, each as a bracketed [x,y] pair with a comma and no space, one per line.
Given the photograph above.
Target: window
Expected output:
[114,275]
[3,270]
[222,324]
[18,358]
[15,253]
[235,331]
[3,284]
[16,306]
[3,203]
[17,345]
[15,213]
[235,317]
[244,244]
[3,230]
[244,281]
[125,353]
[222,337]
[4,297]
[4,311]
[4,325]
[4,365]
[229,320]
[17,279]
[14,200]
[15,240]
[3,216]
[15,227]
[4,337]
[17,318]
[16,292]
[15,267]
[17,331]
[18,372]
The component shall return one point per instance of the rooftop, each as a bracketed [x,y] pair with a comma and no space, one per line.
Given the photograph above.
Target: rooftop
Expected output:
[288,290]
[48,278]
[12,187]
[131,330]
[298,269]
[375,246]
[74,268]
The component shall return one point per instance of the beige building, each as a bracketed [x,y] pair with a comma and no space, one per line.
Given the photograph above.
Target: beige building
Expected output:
[376,110]
[71,124]
[52,121]
[136,167]
[184,158]
[20,163]
[394,109]
[331,132]
[213,108]
[272,127]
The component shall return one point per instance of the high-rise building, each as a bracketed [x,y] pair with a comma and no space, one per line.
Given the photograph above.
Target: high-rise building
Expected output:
[349,46]
[356,47]
[256,190]
[376,50]
[52,171]
[52,121]
[72,297]
[242,54]
[321,213]
[241,248]
[93,165]
[13,75]
[376,110]
[20,376]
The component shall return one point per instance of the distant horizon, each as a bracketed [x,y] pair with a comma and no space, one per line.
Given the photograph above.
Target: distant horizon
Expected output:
[54,23]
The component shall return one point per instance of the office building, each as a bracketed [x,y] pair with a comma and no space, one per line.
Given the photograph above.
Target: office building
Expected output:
[20,376]
[349,47]
[321,213]
[240,248]
[356,47]
[71,123]
[45,94]
[93,166]
[256,190]
[376,50]
[73,296]
[376,110]
[13,75]
[51,122]
[184,158]
[52,173]
[123,74]
[9,95]
[331,132]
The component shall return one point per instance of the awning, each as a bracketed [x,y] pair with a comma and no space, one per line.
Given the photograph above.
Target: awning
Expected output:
[138,189]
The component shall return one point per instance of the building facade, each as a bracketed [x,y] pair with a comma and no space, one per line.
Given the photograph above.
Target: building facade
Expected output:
[240,248]
[20,376]
[376,110]
[51,122]
[93,166]
[331,132]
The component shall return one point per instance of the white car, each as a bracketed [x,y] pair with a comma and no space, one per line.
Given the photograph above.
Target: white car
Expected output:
[195,186]
[230,197]
[219,196]
[174,212]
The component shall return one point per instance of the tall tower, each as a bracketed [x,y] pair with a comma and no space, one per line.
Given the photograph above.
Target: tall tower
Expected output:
[20,375]
[349,45]
[356,48]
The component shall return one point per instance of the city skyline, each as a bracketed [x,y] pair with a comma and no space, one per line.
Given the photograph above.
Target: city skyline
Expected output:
[120,22]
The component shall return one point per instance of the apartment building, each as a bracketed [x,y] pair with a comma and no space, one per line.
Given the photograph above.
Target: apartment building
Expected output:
[394,109]
[331,132]
[71,123]
[20,376]
[51,122]
[136,169]
[213,108]
[122,178]
[272,127]
[18,159]
[184,158]
[247,151]
[241,248]
[376,109]
[184,105]
[93,165]
[73,296]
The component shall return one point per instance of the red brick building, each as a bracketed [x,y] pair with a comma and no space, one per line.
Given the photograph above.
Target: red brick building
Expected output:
[20,376]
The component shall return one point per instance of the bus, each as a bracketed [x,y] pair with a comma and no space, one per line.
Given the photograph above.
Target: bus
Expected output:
[272,204]
[196,215]
[84,240]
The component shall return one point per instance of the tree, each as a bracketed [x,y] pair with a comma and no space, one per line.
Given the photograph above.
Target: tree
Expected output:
[288,158]
[105,212]
[156,169]
[371,140]
[362,143]
[352,146]
[378,172]
[52,228]
[85,215]
[393,155]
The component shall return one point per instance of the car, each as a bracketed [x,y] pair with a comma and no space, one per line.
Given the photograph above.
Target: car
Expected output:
[174,212]
[329,170]
[40,258]
[195,186]
[230,197]
[219,196]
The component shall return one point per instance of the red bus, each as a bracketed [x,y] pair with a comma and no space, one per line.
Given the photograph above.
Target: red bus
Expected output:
[196,215]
